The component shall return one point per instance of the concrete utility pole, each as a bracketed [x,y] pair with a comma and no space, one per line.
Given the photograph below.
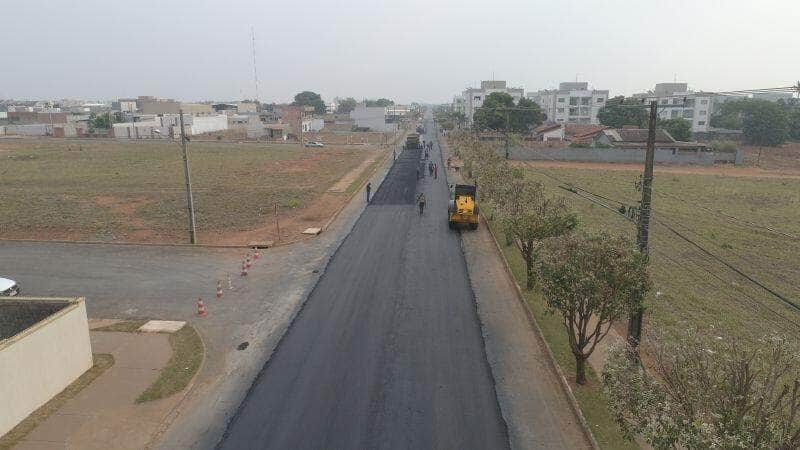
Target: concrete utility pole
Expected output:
[189,199]
[643,228]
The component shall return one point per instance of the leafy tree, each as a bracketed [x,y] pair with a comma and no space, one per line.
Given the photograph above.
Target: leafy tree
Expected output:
[592,281]
[308,98]
[530,216]
[679,128]
[762,122]
[379,102]
[492,116]
[346,105]
[708,392]
[617,113]
[104,121]
[794,123]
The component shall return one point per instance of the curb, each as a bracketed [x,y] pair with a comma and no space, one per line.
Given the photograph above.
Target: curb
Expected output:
[573,402]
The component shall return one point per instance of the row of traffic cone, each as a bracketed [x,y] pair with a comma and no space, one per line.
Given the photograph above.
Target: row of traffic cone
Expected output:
[246,265]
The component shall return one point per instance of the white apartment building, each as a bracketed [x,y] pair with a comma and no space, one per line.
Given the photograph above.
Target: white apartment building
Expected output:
[473,98]
[572,102]
[372,118]
[675,100]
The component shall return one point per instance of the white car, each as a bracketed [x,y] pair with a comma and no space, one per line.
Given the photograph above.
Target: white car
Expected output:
[315,144]
[8,288]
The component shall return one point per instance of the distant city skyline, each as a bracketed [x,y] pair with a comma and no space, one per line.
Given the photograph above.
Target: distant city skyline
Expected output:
[414,51]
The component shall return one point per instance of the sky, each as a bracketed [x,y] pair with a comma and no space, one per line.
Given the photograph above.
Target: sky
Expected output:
[409,50]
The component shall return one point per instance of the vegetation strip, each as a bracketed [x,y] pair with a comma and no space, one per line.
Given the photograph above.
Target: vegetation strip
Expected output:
[102,362]
[187,355]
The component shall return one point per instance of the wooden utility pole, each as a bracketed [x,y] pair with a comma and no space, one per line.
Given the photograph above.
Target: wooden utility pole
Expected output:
[187,179]
[277,225]
[643,228]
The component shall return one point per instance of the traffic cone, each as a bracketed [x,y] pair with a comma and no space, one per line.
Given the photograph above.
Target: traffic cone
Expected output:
[219,289]
[248,263]
[257,254]
[244,269]
[201,308]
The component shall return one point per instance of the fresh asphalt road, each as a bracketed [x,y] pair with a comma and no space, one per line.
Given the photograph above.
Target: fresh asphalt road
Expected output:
[387,351]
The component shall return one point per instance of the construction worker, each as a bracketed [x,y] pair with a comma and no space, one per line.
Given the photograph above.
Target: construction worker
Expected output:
[421,202]
[369,188]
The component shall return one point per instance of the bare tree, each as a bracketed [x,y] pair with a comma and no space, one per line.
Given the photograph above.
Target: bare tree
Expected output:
[592,281]
[709,392]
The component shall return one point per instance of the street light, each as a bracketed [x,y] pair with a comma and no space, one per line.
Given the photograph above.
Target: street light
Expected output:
[187,179]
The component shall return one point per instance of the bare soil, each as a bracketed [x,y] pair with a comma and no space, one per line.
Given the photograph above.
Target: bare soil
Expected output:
[725,170]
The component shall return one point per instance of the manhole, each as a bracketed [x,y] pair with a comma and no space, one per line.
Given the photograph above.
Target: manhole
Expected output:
[243,345]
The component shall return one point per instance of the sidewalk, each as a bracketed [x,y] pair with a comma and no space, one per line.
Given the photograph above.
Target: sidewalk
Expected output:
[104,415]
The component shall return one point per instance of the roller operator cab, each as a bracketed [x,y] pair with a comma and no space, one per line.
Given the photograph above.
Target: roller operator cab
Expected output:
[413,142]
[462,208]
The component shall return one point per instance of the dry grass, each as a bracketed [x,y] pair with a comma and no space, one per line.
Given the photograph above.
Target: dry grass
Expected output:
[109,190]
[102,362]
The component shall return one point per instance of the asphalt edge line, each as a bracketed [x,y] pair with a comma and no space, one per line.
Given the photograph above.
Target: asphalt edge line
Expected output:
[177,410]
[551,357]
[295,315]
[573,402]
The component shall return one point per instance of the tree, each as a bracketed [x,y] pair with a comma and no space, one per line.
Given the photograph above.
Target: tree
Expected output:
[618,112]
[492,115]
[530,216]
[678,128]
[592,281]
[308,98]
[762,122]
[346,105]
[532,116]
[379,102]
[708,392]
[794,123]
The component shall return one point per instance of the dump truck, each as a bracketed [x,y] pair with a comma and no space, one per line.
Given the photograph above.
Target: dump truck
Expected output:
[462,208]
[412,142]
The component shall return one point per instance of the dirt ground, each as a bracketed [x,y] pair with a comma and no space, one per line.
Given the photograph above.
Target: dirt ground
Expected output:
[725,170]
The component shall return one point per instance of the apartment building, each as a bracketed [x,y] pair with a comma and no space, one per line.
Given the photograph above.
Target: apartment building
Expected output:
[675,100]
[472,98]
[572,102]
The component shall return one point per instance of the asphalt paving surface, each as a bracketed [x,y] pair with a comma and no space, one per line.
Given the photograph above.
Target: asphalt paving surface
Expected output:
[387,351]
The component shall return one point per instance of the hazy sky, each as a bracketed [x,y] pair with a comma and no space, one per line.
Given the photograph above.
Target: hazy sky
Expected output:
[409,50]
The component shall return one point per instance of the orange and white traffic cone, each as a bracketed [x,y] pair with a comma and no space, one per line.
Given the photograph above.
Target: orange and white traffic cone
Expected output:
[248,263]
[201,308]
[244,269]
[257,254]
[219,289]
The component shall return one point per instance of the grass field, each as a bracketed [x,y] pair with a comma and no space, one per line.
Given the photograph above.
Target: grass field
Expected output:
[133,191]
[695,289]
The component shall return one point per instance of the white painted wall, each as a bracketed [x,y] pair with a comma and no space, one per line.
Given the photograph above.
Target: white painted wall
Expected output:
[207,124]
[40,362]
[34,129]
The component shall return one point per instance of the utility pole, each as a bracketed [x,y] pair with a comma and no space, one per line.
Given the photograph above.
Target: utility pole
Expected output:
[643,227]
[189,199]
[300,127]
[508,124]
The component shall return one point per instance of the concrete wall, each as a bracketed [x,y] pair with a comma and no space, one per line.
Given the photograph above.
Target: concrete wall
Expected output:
[207,124]
[39,129]
[41,361]
[617,155]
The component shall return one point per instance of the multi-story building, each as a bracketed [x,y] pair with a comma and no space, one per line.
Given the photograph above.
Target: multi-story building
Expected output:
[472,98]
[675,100]
[572,102]
[373,118]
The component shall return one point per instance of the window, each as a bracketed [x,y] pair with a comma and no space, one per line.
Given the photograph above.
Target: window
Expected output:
[573,101]
[600,99]
[677,101]
[702,112]
[573,111]
[674,114]
[560,99]
[584,111]
[560,110]
[477,97]
[664,101]
[688,113]
[704,102]
[701,123]
[585,100]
